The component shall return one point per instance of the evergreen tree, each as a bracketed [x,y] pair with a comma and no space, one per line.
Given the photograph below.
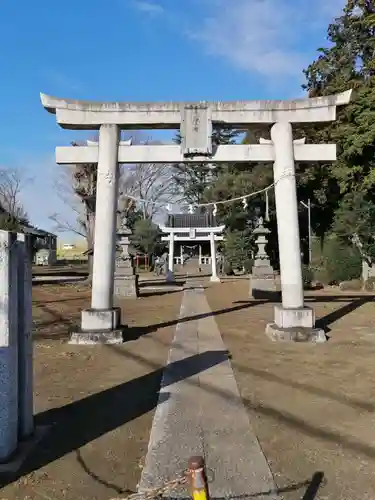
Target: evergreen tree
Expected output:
[355,224]
[146,237]
[347,63]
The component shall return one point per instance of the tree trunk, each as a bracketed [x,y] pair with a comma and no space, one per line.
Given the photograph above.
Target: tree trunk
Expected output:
[90,260]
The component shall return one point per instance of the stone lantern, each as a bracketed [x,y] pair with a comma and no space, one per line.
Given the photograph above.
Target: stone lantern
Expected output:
[262,280]
[126,279]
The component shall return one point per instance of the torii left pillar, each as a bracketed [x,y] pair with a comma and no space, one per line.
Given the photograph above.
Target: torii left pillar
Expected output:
[101,323]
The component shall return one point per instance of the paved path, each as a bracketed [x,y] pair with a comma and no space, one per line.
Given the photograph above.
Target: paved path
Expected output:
[200,412]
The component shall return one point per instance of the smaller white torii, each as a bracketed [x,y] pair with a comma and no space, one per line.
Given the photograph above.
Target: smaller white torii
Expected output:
[179,234]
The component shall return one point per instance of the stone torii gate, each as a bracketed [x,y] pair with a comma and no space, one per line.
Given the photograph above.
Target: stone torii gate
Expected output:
[196,122]
[193,234]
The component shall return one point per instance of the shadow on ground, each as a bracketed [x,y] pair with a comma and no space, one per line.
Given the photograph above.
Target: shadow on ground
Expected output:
[65,280]
[82,463]
[287,382]
[352,302]
[161,283]
[44,330]
[130,333]
[59,272]
[133,333]
[316,391]
[356,301]
[78,423]
[196,317]
[283,417]
[155,293]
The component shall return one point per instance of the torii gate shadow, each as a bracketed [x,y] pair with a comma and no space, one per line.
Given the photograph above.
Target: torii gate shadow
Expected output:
[76,424]
[355,302]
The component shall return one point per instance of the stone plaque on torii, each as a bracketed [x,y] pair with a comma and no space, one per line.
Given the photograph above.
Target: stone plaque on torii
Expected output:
[196,122]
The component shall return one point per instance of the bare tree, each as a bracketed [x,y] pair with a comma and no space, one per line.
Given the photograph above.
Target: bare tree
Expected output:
[12,183]
[151,184]
[76,187]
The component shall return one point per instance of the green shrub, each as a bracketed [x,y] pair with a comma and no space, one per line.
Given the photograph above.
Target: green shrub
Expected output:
[320,273]
[237,248]
[338,262]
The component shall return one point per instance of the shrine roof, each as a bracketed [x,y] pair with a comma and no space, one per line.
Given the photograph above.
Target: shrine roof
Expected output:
[191,220]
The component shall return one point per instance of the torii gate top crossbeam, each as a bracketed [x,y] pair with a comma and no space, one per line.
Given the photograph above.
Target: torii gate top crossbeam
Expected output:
[77,114]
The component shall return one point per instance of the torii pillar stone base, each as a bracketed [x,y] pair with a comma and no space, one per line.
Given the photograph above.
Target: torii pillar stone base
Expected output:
[99,327]
[295,325]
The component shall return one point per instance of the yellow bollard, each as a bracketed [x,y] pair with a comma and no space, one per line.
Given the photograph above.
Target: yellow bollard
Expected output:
[198,479]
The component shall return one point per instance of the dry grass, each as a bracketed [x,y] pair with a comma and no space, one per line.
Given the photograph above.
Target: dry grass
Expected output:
[56,309]
[312,406]
[97,401]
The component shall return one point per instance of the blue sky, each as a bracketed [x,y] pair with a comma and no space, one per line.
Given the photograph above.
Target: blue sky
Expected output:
[140,50]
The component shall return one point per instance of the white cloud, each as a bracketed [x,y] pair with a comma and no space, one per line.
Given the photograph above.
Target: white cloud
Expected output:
[274,38]
[268,37]
[148,7]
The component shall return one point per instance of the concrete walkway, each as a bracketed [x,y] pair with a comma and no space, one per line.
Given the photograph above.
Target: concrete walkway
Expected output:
[200,412]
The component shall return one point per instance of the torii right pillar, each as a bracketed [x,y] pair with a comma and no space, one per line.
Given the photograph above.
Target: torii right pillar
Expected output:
[293,321]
